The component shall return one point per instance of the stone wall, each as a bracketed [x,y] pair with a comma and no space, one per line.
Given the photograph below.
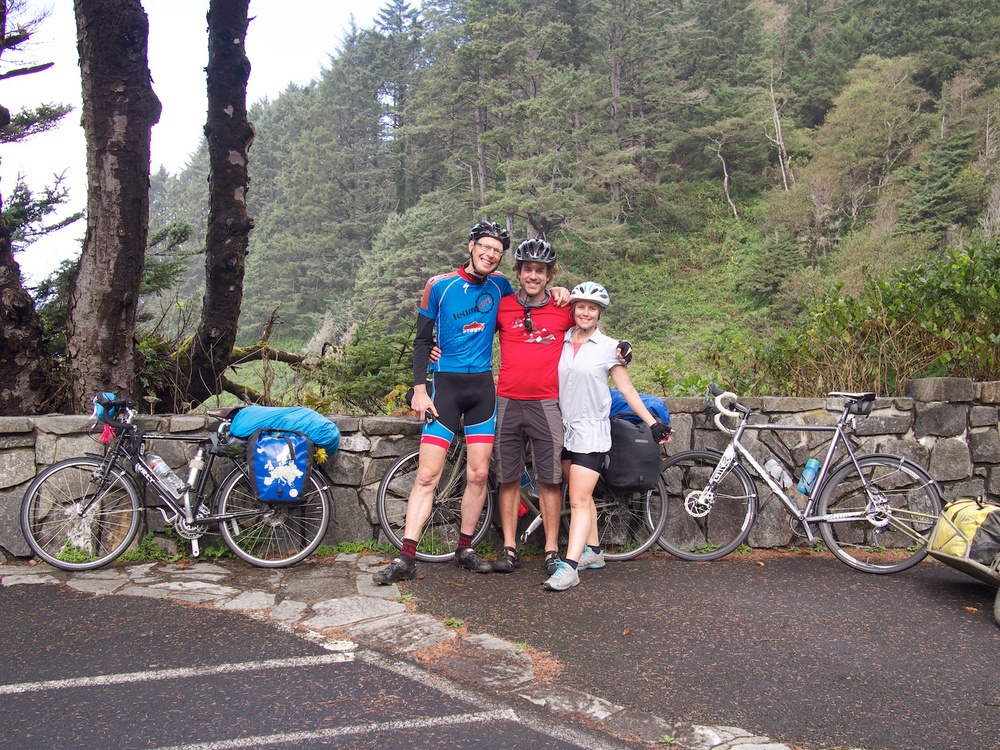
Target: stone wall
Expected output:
[947,425]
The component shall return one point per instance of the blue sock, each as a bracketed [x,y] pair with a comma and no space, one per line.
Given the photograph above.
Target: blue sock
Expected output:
[571,563]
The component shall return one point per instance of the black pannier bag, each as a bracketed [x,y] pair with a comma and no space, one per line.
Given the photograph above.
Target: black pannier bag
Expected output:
[633,463]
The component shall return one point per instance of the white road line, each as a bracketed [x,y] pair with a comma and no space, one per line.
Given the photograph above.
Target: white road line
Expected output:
[173,674]
[319,734]
[553,728]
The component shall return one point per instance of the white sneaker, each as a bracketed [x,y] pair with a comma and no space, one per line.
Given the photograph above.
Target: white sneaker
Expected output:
[564,577]
[591,559]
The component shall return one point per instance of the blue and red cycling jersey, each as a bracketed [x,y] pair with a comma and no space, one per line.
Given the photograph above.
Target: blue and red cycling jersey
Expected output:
[465,319]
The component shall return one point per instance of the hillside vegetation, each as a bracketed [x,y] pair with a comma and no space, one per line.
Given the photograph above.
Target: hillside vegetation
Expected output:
[789,196]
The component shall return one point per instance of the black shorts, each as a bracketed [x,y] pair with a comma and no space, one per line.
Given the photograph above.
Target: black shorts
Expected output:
[459,395]
[592,461]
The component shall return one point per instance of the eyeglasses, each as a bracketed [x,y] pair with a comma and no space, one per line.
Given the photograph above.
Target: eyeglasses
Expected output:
[494,250]
[528,325]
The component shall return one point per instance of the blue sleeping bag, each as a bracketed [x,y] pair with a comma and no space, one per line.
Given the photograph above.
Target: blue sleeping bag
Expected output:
[655,405]
[323,433]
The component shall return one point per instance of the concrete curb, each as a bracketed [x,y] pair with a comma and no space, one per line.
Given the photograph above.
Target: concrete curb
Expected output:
[337,604]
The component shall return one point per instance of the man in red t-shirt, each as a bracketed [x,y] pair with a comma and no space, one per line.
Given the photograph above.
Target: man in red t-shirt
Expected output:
[531,328]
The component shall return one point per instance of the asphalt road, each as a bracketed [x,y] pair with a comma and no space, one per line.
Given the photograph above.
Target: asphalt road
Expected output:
[794,646]
[107,672]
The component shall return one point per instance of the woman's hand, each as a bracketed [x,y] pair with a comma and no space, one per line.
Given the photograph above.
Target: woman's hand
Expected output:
[661,432]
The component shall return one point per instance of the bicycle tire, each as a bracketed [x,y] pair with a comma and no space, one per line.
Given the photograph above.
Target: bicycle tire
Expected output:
[75,517]
[439,539]
[718,531]
[629,522]
[273,535]
[886,542]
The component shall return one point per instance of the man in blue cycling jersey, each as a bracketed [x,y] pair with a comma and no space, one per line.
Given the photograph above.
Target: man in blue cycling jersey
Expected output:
[460,310]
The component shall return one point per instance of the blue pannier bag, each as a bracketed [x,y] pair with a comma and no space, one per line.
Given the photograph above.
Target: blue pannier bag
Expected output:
[320,430]
[619,407]
[279,463]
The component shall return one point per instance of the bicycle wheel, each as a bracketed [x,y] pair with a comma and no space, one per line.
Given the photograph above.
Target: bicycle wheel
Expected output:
[272,535]
[702,525]
[889,533]
[628,521]
[77,517]
[440,535]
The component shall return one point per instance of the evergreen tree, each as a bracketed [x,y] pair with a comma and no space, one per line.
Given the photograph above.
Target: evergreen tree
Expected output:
[937,202]
[333,193]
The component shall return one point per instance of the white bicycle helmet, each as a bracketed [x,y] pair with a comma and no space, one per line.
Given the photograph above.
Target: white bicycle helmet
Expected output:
[590,291]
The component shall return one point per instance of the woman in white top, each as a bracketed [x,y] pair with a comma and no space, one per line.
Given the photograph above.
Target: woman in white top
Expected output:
[588,358]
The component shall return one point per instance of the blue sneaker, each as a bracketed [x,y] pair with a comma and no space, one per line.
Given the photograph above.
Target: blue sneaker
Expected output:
[564,577]
[591,559]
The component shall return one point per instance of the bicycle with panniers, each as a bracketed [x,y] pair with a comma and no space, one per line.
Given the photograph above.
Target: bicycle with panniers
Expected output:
[83,513]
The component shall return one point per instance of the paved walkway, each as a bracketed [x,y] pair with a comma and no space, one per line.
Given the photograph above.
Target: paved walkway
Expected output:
[335,602]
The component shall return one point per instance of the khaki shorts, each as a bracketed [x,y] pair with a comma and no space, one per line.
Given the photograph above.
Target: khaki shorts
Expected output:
[538,422]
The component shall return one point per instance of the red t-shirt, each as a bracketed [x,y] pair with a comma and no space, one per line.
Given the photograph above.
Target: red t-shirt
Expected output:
[529,362]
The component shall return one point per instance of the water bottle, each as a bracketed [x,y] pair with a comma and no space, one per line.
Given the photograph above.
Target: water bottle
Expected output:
[174,484]
[808,476]
[778,473]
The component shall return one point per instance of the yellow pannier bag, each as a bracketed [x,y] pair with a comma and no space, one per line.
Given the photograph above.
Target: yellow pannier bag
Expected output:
[967,537]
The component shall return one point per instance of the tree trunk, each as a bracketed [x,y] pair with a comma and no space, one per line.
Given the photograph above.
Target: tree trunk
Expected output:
[119,110]
[229,134]
[23,361]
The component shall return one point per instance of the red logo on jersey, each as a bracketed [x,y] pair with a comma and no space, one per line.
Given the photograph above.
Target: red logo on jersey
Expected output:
[473,328]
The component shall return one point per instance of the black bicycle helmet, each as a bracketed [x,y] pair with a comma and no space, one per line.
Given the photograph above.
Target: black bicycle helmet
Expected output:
[490,229]
[535,250]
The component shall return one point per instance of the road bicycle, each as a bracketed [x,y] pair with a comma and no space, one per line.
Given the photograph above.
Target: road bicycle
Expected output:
[629,522]
[875,512]
[82,513]
[439,539]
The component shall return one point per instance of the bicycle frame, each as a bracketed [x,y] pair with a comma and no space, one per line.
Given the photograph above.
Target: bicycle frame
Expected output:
[799,514]
[127,452]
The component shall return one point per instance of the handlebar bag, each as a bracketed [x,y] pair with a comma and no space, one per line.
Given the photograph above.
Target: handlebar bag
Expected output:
[633,463]
[279,463]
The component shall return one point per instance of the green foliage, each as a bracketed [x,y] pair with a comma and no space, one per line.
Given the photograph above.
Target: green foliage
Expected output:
[939,198]
[354,548]
[357,377]
[148,550]
[165,258]
[939,318]
[70,553]
[154,364]
[29,122]
[26,213]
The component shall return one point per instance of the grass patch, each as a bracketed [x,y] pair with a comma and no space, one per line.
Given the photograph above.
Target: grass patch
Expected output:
[147,551]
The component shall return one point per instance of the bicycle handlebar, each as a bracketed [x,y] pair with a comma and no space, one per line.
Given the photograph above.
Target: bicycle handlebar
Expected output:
[106,404]
[722,401]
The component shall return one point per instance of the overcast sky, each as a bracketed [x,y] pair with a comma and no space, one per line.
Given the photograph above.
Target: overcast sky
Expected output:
[289,41]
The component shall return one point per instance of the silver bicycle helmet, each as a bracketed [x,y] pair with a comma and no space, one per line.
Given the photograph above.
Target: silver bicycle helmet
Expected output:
[590,291]
[539,251]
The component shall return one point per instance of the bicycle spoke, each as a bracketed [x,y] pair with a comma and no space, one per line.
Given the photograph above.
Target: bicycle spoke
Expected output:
[898,505]
[704,525]
[75,521]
